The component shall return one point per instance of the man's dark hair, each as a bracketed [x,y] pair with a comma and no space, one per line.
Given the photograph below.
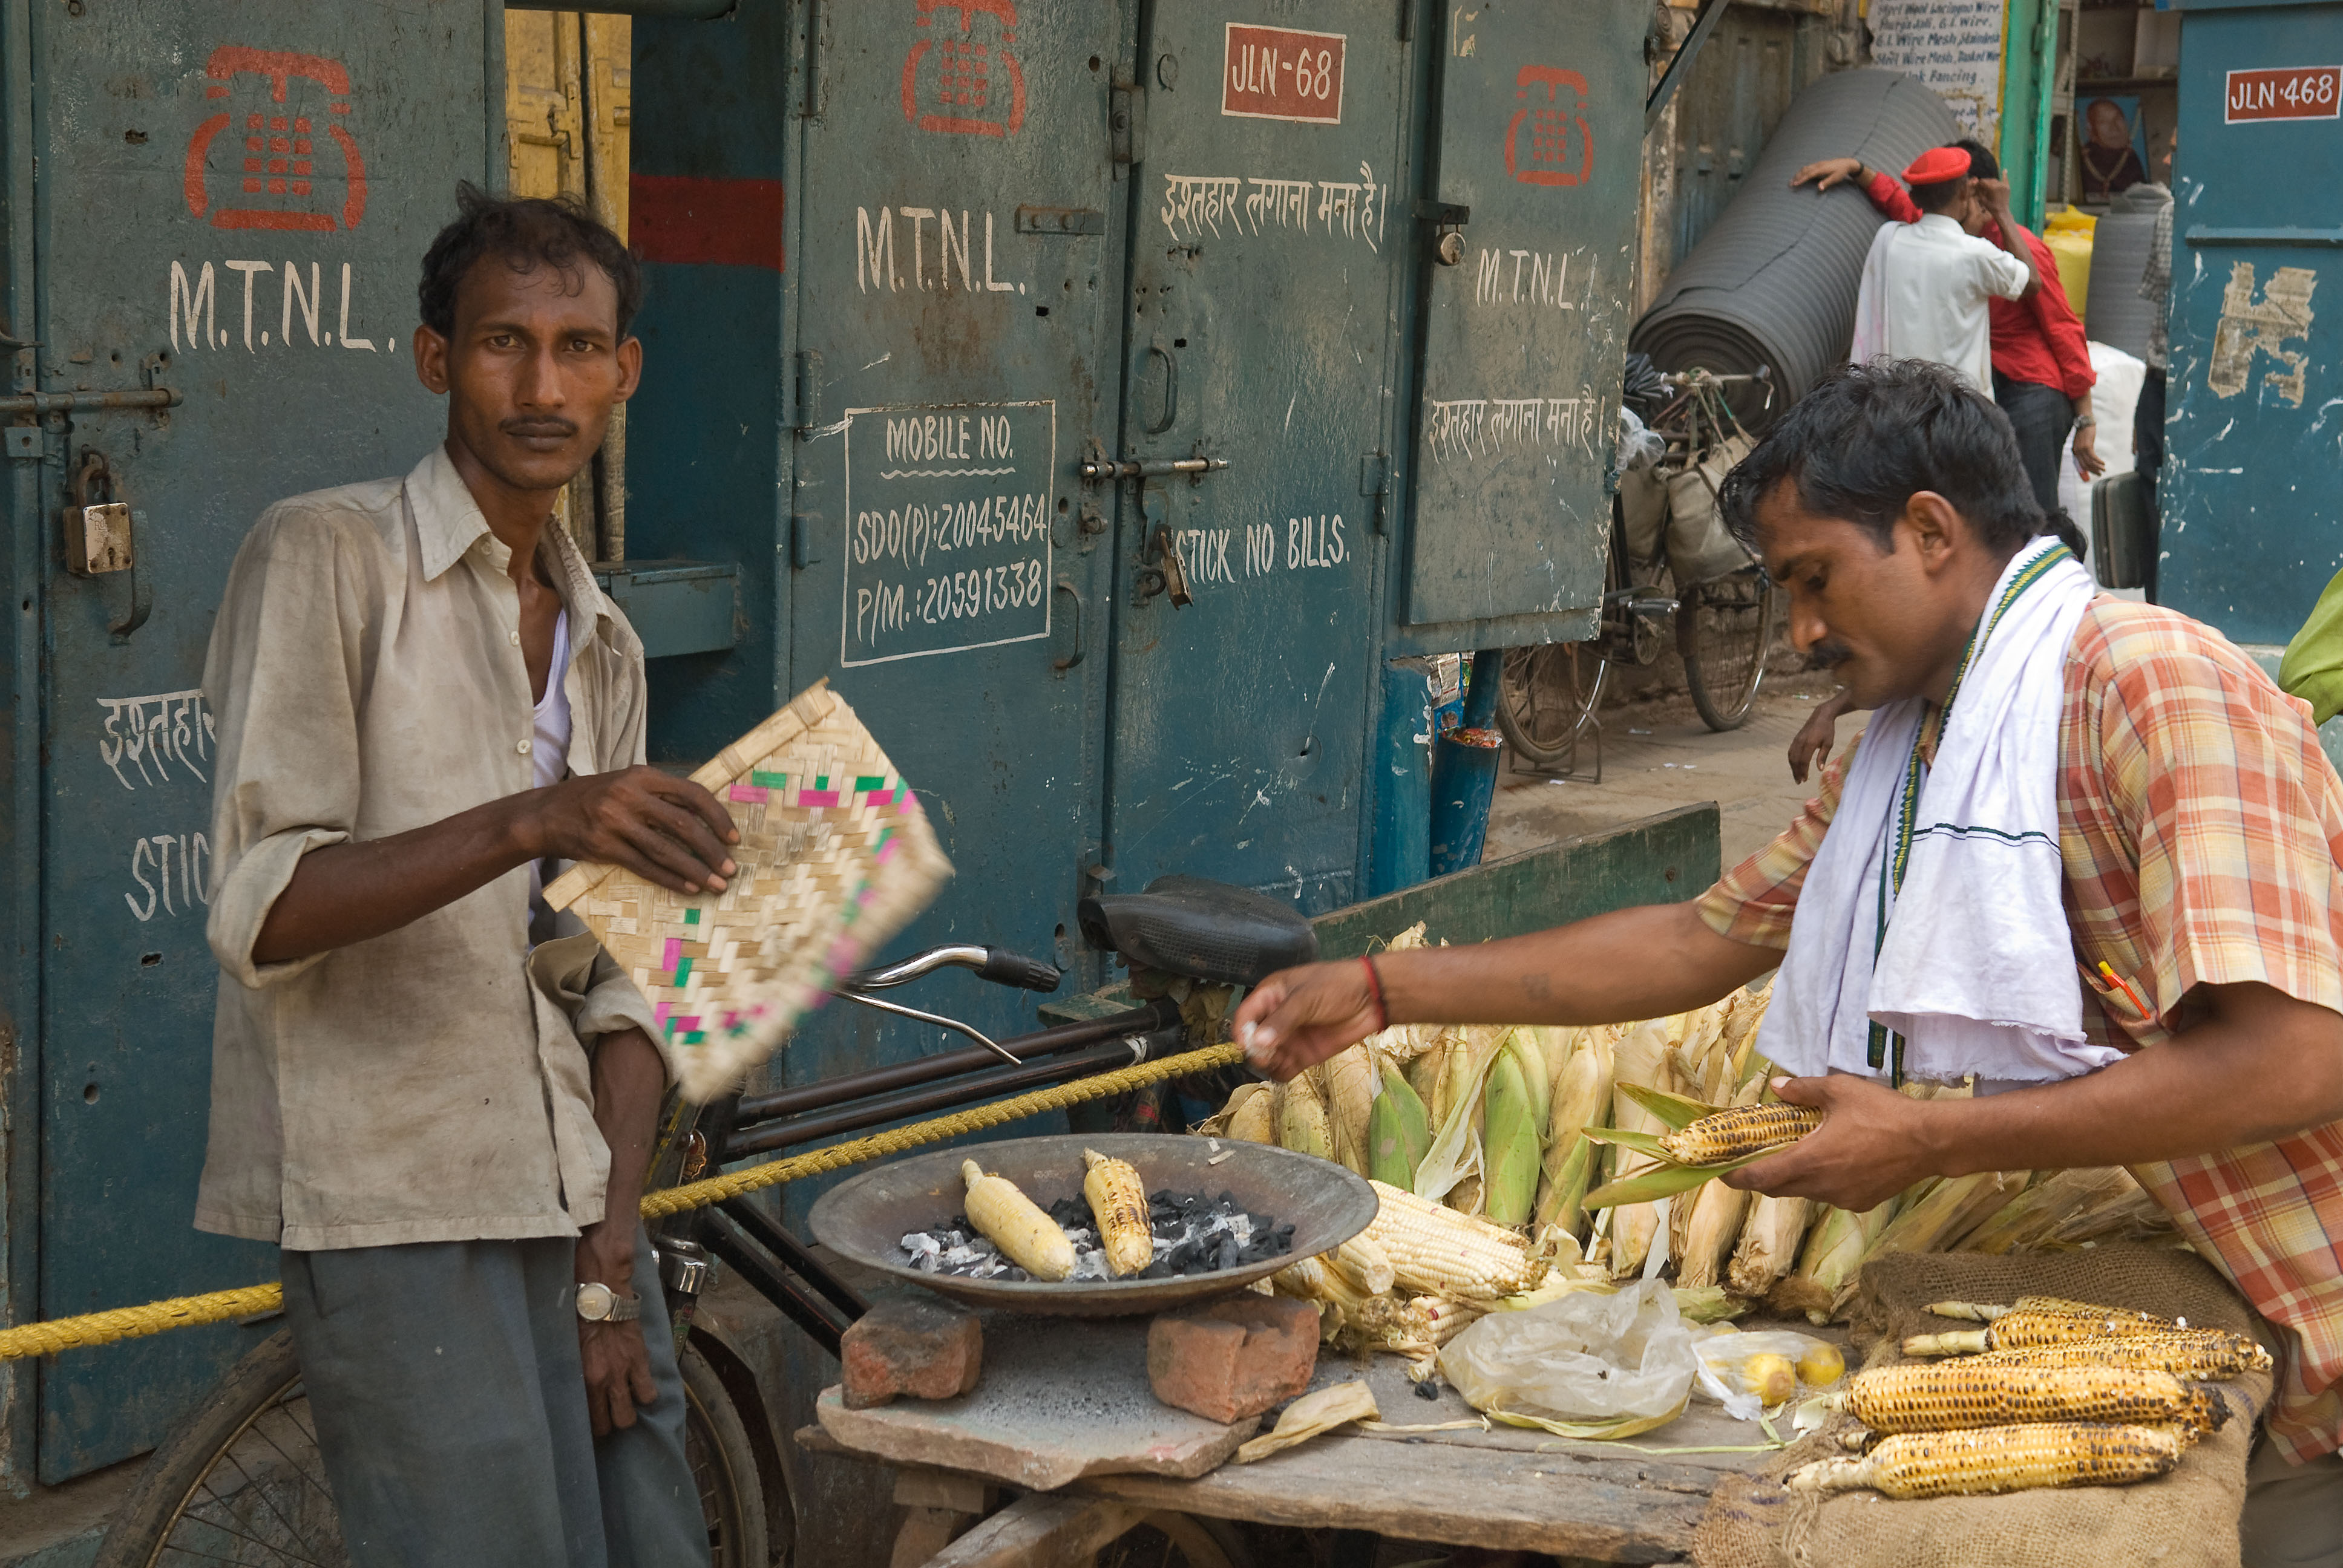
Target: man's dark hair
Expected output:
[526,232]
[1983,165]
[1868,436]
[1936,194]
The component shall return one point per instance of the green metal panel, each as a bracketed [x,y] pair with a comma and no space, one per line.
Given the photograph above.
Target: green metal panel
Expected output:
[1265,263]
[231,202]
[677,607]
[1539,137]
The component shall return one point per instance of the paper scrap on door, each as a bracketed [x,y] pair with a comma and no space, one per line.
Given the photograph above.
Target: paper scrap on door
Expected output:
[948,514]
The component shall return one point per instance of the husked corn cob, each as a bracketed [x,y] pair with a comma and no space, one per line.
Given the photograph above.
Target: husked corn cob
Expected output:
[1118,1201]
[2033,1330]
[1011,1222]
[1445,1319]
[2000,1459]
[1362,1262]
[1945,1396]
[2209,1355]
[1739,1130]
[1437,1252]
[1987,1313]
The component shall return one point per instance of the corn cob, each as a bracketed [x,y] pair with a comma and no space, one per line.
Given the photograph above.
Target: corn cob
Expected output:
[1988,1312]
[1118,1201]
[1026,1236]
[1300,1119]
[1249,1118]
[1740,1130]
[1445,1319]
[1581,1099]
[1348,1085]
[1639,1058]
[1834,1254]
[1942,1397]
[1713,1226]
[2027,1220]
[1362,1262]
[1436,1252]
[1510,1129]
[2208,1354]
[1938,1220]
[2001,1459]
[1769,1248]
[1399,1132]
[2032,1330]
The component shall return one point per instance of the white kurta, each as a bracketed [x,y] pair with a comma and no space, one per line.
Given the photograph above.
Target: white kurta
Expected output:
[1925,287]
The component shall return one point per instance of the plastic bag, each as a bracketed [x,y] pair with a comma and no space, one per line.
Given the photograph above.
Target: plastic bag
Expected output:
[1700,547]
[1725,1357]
[1588,1365]
[1639,446]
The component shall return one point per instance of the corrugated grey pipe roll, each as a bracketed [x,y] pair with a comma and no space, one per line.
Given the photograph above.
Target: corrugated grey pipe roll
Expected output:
[2114,313]
[1774,281]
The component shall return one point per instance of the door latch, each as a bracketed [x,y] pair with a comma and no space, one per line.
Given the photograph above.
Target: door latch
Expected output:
[99,538]
[1165,572]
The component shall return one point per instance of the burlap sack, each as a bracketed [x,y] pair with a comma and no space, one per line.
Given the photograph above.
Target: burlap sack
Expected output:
[2185,1519]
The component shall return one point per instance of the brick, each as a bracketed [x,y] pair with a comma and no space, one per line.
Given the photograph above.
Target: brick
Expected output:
[1233,1359]
[910,1345]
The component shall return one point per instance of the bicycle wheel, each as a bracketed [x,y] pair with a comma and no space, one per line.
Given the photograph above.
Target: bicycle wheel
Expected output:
[1724,629]
[1547,699]
[242,1482]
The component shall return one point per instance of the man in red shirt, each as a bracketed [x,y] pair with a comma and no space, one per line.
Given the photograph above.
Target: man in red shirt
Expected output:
[2042,375]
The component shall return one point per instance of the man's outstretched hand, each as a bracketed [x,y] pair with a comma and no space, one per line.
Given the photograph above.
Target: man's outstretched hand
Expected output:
[664,830]
[1825,173]
[1870,1146]
[1297,1017]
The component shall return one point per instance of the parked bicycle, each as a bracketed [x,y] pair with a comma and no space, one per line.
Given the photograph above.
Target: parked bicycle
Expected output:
[1662,583]
[241,1482]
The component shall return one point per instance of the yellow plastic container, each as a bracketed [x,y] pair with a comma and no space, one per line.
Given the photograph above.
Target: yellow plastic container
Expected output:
[2068,233]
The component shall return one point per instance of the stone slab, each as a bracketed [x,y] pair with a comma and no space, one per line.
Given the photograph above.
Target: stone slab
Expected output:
[1061,1398]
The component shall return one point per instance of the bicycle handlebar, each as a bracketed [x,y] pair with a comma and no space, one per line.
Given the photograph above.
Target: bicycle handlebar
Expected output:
[999,965]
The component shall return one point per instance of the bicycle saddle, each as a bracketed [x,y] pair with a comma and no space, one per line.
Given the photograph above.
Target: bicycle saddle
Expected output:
[1203,929]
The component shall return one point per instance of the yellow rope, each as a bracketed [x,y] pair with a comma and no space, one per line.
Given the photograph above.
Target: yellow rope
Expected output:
[218,1306]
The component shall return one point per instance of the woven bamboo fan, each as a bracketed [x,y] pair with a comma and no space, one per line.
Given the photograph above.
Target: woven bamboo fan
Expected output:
[835,856]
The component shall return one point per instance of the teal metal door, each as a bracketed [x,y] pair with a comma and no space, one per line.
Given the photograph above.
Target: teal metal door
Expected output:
[1539,138]
[231,203]
[955,271]
[1267,260]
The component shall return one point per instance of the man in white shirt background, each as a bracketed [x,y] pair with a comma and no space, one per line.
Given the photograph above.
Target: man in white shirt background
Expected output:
[1926,284]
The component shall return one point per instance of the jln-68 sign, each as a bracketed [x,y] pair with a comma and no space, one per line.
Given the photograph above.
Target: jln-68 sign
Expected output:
[2288,93]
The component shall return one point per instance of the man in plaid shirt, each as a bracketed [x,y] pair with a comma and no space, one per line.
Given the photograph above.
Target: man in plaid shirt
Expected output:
[2201,829]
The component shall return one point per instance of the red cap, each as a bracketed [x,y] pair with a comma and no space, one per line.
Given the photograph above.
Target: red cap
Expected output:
[1937,165]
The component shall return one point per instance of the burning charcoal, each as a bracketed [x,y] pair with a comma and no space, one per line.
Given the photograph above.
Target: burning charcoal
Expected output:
[1428,1389]
[1158,1270]
[1016,1275]
[1229,1200]
[1226,1257]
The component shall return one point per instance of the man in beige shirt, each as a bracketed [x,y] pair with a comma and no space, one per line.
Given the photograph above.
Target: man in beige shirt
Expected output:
[435,1094]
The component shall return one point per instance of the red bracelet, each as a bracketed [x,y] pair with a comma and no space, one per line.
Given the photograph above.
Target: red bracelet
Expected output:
[1376,985]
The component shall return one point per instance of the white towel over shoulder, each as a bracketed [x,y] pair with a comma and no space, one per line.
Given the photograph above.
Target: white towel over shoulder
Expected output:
[1971,961]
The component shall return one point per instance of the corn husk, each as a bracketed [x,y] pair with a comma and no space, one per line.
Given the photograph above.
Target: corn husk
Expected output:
[1581,1099]
[1301,1118]
[1716,1211]
[1312,1414]
[1835,1249]
[1556,1046]
[1938,1220]
[1640,1056]
[1769,1248]
[1216,1125]
[1455,1156]
[2132,1214]
[1513,1125]
[1251,1116]
[1347,1082]
[1429,1068]
[1399,1132]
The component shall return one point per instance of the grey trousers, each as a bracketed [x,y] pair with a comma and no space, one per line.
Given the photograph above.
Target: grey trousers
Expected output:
[451,1404]
[2294,1513]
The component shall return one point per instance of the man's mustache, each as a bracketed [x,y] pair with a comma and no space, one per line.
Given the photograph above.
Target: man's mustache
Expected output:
[1828,656]
[539,427]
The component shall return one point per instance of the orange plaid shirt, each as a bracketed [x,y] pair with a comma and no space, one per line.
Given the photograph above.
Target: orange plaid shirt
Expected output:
[2202,831]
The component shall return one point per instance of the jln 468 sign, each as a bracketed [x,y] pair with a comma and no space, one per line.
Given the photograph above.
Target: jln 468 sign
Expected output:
[2288,93]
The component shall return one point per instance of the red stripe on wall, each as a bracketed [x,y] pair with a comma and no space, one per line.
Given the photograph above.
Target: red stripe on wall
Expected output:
[710,222]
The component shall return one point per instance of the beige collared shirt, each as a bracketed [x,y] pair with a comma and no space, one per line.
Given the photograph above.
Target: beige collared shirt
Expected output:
[430,1084]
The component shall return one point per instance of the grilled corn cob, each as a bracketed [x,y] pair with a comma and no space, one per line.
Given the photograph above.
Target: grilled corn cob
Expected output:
[1437,1252]
[2208,1354]
[1118,1201]
[2033,1330]
[2001,1459]
[1943,1397]
[1739,1130]
[1987,1312]
[1011,1221]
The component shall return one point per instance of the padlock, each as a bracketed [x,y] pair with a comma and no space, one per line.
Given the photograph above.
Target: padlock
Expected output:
[97,523]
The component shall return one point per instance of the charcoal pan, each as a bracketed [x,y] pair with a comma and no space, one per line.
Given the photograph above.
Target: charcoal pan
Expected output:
[866,1218]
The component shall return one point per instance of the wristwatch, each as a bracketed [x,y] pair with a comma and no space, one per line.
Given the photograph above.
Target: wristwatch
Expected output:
[598,1303]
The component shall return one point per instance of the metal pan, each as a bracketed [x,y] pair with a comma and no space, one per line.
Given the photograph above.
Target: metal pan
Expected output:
[864,1219]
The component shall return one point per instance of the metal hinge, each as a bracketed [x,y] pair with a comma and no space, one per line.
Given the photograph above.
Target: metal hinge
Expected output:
[1127,118]
[808,388]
